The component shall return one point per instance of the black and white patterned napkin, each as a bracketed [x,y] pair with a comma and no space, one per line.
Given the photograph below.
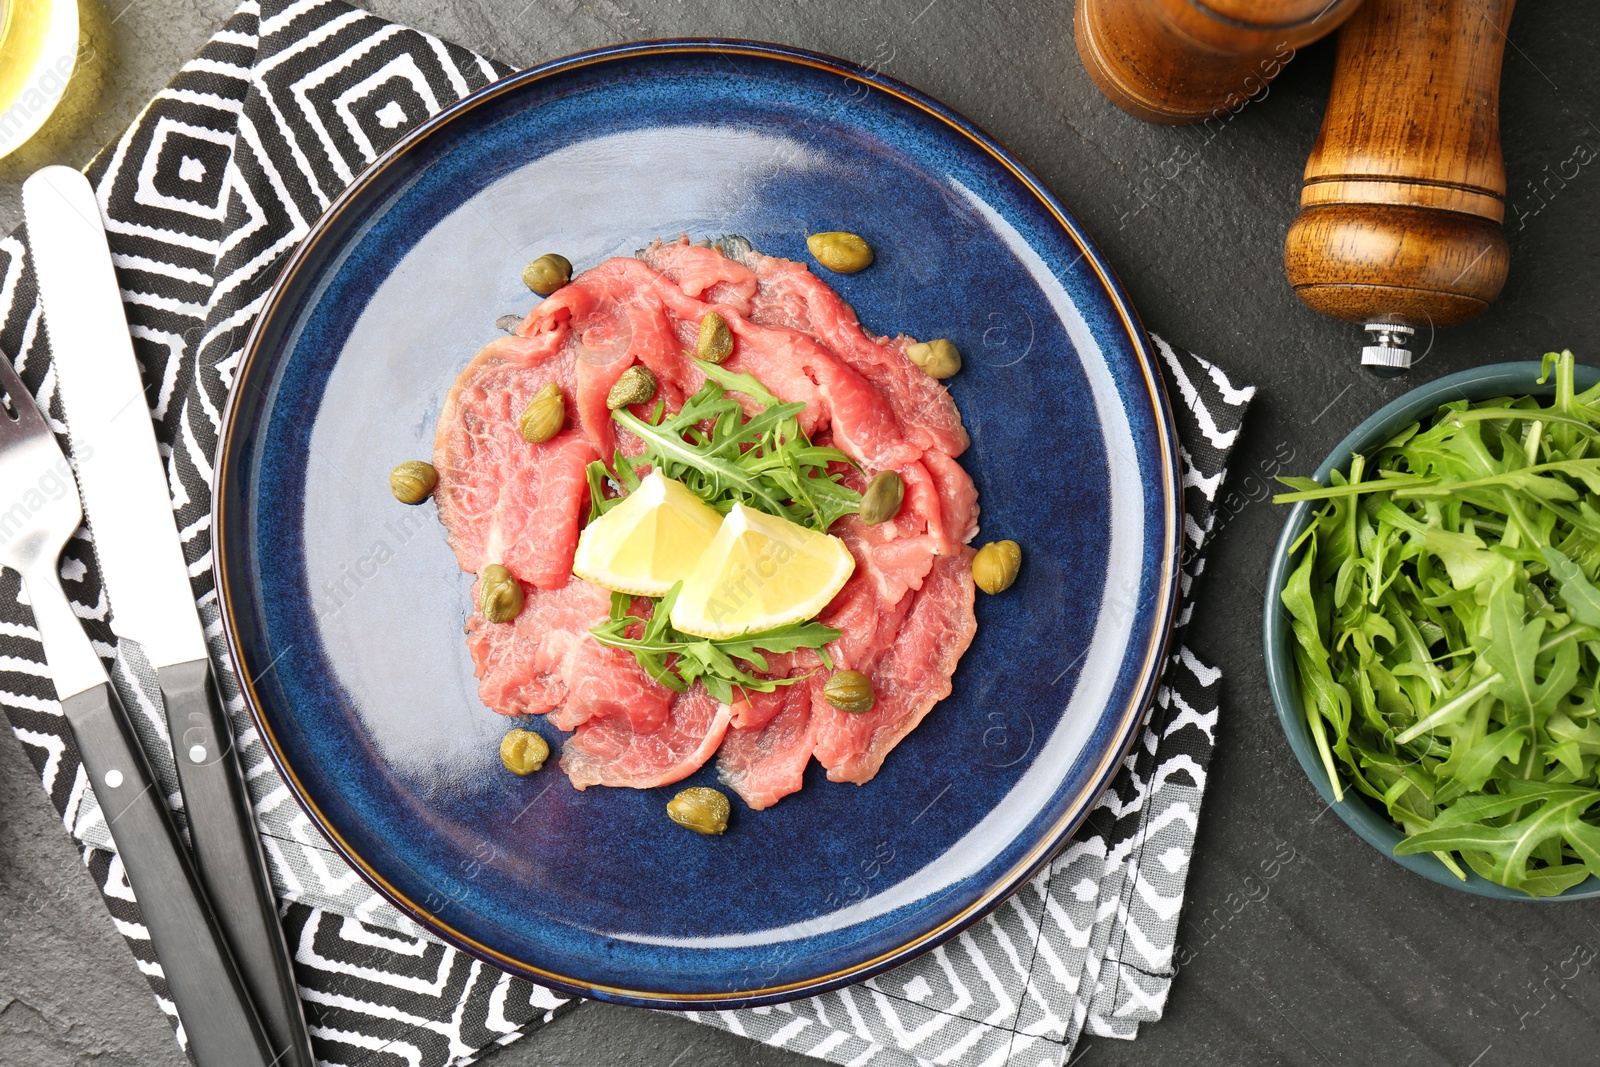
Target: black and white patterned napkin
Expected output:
[203,197]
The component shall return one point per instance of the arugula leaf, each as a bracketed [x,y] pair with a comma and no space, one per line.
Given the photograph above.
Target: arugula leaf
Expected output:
[1326,701]
[1582,598]
[737,382]
[1470,766]
[677,660]
[669,452]
[1557,814]
[1512,649]
[789,638]
[599,503]
[764,461]
[1446,618]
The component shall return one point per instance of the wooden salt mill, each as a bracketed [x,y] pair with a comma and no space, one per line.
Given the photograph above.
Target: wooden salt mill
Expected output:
[1404,195]
[1178,61]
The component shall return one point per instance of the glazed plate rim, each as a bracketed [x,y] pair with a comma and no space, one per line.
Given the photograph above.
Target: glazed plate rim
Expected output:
[333,224]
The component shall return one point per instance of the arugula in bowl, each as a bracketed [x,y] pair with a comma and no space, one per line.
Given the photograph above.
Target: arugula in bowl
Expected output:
[1446,622]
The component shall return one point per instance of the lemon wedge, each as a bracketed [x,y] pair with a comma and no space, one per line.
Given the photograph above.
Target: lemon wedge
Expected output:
[648,542]
[758,573]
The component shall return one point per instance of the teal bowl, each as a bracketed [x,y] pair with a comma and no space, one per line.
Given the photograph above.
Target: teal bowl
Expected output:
[1368,821]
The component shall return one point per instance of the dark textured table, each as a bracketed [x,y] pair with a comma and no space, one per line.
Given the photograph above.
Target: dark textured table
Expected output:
[1300,944]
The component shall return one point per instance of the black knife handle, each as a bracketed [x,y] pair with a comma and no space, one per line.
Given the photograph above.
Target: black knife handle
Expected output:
[228,852]
[217,1015]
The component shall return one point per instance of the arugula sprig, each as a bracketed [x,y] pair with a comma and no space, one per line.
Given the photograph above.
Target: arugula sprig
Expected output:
[1446,617]
[677,660]
[765,462]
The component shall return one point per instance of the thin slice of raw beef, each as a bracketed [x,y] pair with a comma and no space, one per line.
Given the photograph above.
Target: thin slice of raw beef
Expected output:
[789,295]
[702,271]
[547,663]
[868,626]
[611,752]
[789,361]
[794,367]
[895,556]
[765,765]
[910,677]
[958,498]
[755,709]
[607,319]
[501,499]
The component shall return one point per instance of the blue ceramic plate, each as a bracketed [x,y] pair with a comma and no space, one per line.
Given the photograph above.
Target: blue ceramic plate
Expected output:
[1366,819]
[346,609]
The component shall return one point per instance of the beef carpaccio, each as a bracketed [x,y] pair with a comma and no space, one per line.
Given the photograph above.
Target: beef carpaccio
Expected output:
[906,614]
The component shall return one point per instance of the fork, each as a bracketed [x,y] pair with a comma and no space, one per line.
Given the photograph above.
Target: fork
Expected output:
[218,1017]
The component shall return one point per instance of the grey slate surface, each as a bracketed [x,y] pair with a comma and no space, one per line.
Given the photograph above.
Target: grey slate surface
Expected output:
[1340,957]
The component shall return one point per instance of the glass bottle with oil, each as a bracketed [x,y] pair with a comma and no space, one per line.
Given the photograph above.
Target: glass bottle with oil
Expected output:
[38,50]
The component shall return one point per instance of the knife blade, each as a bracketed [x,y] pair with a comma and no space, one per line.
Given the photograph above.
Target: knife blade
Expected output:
[129,509]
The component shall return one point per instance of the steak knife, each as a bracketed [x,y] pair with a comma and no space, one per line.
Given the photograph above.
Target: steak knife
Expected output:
[129,510]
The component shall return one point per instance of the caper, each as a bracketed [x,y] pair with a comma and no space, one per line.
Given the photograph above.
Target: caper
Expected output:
[849,691]
[508,323]
[995,566]
[547,273]
[412,482]
[703,810]
[636,386]
[843,253]
[939,357]
[499,594]
[544,416]
[716,342]
[523,751]
[881,501]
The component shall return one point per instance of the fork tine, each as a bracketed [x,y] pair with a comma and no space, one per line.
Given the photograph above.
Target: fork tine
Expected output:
[30,420]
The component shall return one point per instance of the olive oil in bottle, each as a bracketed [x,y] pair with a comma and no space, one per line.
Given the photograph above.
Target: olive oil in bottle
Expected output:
[38,49]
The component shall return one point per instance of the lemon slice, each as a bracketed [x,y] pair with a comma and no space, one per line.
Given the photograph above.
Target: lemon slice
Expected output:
[760,572]
[648,542]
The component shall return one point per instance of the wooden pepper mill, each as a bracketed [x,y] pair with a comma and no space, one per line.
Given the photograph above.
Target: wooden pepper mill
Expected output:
[1404,195]
[1178,61]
